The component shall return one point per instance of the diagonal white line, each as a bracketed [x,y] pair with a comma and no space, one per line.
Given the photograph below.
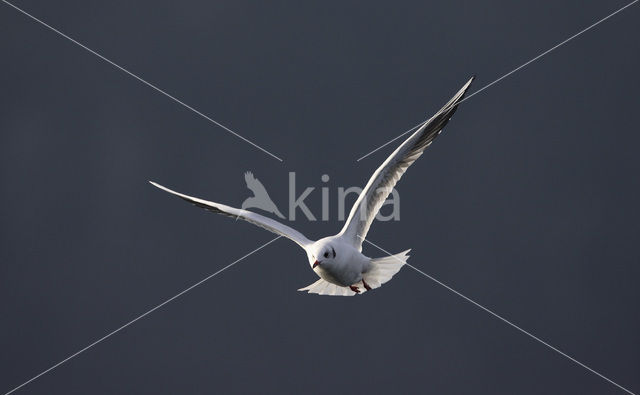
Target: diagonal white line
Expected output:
[509,73]
[500,318]
[140,316]
[143,81]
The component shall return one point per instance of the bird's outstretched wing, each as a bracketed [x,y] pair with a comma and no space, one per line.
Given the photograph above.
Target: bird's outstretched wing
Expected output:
[255,185]
[256,219]
[387,175]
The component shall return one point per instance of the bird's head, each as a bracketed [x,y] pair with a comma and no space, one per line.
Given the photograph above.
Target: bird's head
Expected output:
[322,256]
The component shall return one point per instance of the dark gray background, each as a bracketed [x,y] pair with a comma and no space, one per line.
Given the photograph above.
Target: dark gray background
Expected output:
[528,203]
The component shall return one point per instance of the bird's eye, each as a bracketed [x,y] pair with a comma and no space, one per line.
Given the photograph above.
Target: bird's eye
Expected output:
[326,255]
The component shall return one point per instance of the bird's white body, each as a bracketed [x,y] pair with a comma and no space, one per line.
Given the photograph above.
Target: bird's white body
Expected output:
[338,260]
[346,269]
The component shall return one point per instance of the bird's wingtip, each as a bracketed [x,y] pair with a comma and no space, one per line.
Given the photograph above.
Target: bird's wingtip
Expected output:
[473,77]
[155,184]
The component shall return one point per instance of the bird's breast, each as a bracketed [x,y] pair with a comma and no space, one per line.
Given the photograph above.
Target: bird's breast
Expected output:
[340,273]
[328,275]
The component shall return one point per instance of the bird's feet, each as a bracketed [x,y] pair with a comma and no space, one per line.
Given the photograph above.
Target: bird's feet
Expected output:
[354,288]
[366,286]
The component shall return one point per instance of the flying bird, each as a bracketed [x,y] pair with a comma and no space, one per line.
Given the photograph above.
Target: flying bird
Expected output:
[338,259]
[260,198]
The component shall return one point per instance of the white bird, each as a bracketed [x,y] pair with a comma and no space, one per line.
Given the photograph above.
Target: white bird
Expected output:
[338,260]
[260,198]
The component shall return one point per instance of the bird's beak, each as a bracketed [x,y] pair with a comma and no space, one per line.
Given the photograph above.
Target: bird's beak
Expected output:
[316,263]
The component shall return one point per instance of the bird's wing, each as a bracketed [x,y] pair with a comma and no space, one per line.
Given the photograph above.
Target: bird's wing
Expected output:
[256,219]
[387,175]
[255,185]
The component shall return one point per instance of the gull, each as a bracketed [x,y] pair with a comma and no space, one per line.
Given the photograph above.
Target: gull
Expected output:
[338,259]
[260,198]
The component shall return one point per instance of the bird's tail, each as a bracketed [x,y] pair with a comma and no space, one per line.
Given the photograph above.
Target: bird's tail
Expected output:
[323,287]
[383,269]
